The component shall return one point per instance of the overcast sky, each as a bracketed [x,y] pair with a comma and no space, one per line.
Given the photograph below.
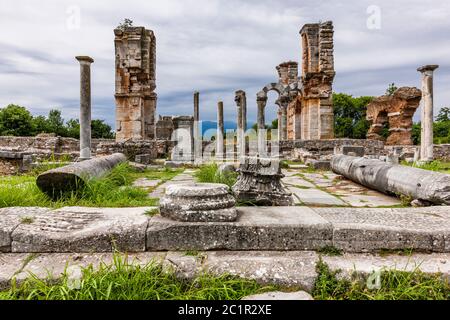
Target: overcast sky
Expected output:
[215,47]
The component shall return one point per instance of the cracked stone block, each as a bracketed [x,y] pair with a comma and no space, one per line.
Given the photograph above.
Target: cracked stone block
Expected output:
[198,202]
[10,219]
[77,229]
[369,229]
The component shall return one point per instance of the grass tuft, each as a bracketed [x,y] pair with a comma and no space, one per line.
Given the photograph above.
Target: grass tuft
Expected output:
[394,285]
[210,174]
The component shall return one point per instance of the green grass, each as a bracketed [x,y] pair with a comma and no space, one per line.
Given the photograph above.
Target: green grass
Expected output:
[52,162]
[439,166]
[395,285]
[330,251]
[125,280]
[112,190]
[210,174]
[164,174]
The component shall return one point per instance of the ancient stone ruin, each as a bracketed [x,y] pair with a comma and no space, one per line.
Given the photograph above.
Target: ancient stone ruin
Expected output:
[305,103]
[135,83]
[397,111]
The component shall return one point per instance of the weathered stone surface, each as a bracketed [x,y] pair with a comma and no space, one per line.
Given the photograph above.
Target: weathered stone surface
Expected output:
[145,183]
[397,110]
[426,141]
[366,264]
[135,49]
[259,183]
[10,219]
[76,229]
[321,165]
[287,269]
[198,202]
[395,179]
[74,176]
[315,197]
[357,150]
[257,228]
[360,230]
[277,295]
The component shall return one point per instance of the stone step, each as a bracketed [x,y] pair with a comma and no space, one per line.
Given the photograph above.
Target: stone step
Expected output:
[293,269]
[76,229]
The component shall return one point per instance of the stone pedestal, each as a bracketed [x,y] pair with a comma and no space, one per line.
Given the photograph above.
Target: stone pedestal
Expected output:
[259,183]
[198,202]
[85,106]
[426,141]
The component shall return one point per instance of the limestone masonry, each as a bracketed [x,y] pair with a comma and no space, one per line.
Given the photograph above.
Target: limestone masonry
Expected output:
[397,111]
[135,83]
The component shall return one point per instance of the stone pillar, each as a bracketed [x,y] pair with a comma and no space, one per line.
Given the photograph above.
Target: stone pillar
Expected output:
[220,131]
[426,145]
[279,116]
[240,125]
[283,122]
[261,102]
[85,106]
[197,134]
[244,111]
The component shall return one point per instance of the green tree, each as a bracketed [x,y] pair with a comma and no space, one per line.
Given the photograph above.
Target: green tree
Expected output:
[274,124]
[56,123]
[350,116]
[391,89]
[16,121]
[444,114]
[100,129]
[126,23]
[40,125]
[73,128]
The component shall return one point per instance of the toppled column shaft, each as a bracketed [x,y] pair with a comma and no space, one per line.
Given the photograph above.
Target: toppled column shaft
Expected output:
[69,178]
[417,183]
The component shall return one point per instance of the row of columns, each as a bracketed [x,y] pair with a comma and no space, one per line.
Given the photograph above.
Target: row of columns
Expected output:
[426,148]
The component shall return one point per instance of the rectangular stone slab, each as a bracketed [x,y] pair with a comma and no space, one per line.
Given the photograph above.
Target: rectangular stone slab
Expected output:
[364,229]
[76,229]
[257,228]
[10,219]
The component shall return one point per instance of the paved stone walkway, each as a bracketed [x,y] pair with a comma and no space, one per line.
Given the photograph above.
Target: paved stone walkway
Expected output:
[182,178]
[329,189]
[294,269]
[78,229]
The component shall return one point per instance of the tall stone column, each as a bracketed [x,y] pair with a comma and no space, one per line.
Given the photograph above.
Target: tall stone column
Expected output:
[244,110]
[220,131]
[197,136]
[426,144]
[279,114]
[240,128]
[85,106]
[261,123]
[283,122]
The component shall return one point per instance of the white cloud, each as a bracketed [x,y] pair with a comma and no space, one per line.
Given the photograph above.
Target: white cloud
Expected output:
[215,46]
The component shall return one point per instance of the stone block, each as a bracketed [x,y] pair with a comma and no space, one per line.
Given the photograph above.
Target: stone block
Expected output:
[77,229]
[198,202]
[358,151]
[143,158]
[257,228]
[321,165]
